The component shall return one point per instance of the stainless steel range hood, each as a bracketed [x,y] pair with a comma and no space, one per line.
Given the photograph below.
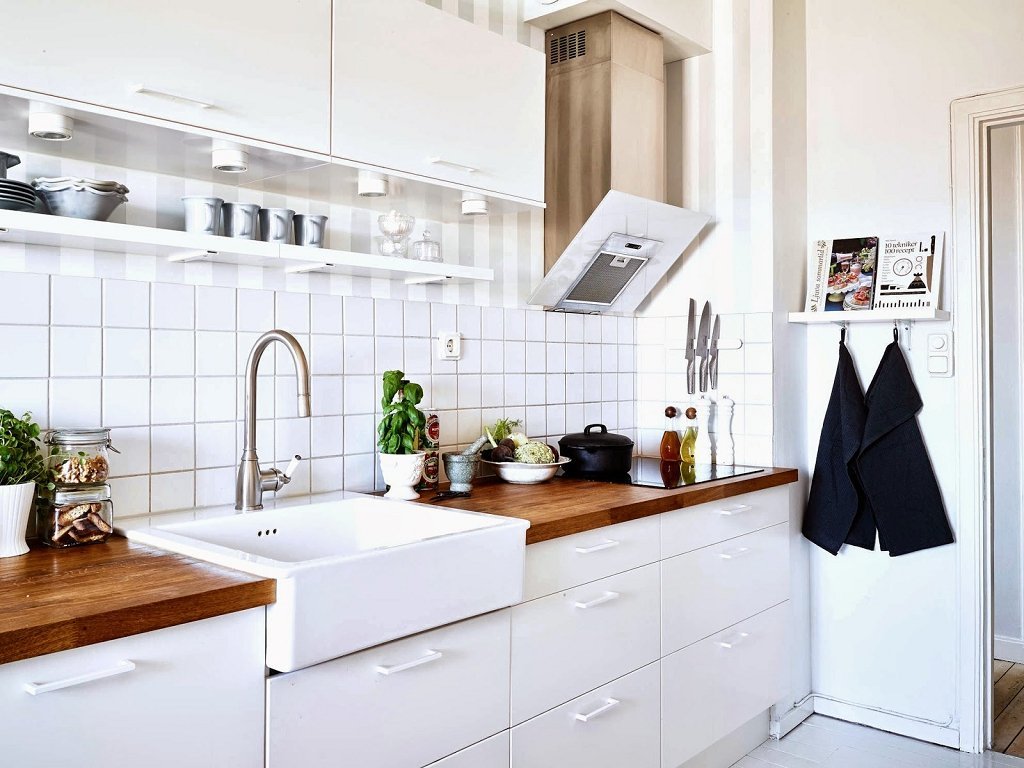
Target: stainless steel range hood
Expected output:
[618,256]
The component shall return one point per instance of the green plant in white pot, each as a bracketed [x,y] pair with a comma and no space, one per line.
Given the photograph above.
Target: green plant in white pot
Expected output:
[22,466]
[398,436]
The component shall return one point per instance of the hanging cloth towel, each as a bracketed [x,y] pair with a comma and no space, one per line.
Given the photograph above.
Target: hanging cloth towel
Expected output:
[835,497]
[902,494]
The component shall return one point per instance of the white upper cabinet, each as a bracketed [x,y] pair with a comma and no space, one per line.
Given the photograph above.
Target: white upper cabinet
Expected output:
[420,91]
[258,70]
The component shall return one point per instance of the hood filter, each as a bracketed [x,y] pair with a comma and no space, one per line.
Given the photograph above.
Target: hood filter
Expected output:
[603,280]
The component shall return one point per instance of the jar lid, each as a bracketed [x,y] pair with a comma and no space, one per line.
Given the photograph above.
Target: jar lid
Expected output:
[601,438]
[82,494]
[78,436]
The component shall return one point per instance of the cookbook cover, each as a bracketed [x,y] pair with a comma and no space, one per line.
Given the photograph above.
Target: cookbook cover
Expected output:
[841,274]
[909,271]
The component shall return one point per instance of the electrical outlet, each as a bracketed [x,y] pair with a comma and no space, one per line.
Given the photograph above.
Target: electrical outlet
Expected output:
[449,346]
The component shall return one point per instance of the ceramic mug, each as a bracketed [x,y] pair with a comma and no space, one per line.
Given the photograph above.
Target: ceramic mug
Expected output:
[276,224]
[310,230]
[202,214]
[240,220]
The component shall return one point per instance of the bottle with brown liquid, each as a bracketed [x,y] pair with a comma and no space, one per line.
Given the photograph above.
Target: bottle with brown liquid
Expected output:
[670,443]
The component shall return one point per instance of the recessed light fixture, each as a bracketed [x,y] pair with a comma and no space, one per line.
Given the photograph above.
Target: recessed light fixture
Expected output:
[49,123]
[229,157]
[474,205]
[372,184]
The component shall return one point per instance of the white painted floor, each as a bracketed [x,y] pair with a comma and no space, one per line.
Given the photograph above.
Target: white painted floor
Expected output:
[821,742]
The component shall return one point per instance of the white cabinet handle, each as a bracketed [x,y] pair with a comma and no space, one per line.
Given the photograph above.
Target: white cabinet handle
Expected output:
[607,597]
[121,668]
[142,90]
[395,668]
[450,164]
[588,716]
[732,554]
[738,509]
[606,544]
[732,642]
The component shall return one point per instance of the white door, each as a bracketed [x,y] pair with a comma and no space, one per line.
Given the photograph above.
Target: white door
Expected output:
[259,69]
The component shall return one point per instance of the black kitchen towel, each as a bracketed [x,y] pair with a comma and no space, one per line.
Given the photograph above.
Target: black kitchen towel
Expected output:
[835,497]
[902,494]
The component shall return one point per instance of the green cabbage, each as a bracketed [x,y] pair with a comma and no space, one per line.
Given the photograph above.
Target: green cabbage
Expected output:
[534,453]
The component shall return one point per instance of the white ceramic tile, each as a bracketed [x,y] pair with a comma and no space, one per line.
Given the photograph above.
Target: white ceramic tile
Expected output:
[574,328]
[574,421]
[443,393]
[627,330]
[215,398]
[515,388]
[535,325]
[131,498]
[651,330]
[173,306]
[515,357]
[126,402]
[554,387]
[389,354]
[626,386]
[536,357]
[592,358]
[730,361]
[75,351]
[26,395]
[283,363]
[536,421]
[26,299]
[326,397]
[469,321]
[326,435]
[443,319]
[215,353]
[327,355]
[609,386]
[359,434]
[172,491]
[291,311]
[469,392]
[285,397]
[244,342]
[359,354]
[255,310]
[125,304]
[265,399]
[627,358]
[757,358]
[470,425]
[25,351]
[758,389]
[75,300]
[388,317]
[610,415]
[299,485]
[733,385]
[216,446]
[573,357]
[172,448]
[574,388]
[75,403]
[327,474]
[592,329]
[359,472]
[172,353]
[731,327]
[757,327]
[215,308]
[554,329]
[132,455]
[125,352]
[556,358]
[609,358]
[417,319]
[360,394]
[326,313]
[591,413]
[472,358]
[291,438]
[591,387]
[535,389]
[417,356]
[492,323]
[358,316]
[215,486]
[555,420]
[515,325]
[609,329]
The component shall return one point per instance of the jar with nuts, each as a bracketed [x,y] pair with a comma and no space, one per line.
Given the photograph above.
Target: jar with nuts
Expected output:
[79,456]
[69,517]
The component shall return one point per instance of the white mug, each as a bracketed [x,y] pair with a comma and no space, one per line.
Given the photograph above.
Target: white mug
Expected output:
[202,214]
[240,220]
[309,230]
[276,224]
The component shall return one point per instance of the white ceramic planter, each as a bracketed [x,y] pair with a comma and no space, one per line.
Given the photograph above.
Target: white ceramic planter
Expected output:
[402,471]
[15,507]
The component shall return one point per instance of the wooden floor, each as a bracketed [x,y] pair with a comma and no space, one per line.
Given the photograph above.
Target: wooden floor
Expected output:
[1008,708]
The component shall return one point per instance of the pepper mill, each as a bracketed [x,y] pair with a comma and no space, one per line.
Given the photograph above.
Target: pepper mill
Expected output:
[702,451]
[726,446]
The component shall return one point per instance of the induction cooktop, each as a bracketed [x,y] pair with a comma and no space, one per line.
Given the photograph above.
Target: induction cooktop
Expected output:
[655,473]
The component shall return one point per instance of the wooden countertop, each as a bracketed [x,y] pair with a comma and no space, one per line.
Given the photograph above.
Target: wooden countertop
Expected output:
[565,506]
[52,600]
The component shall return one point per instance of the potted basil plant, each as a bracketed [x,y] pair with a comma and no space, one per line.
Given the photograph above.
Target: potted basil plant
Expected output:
[22,466]
[398,436]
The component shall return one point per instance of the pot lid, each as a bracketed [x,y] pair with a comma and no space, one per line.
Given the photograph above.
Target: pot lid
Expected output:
[596,436]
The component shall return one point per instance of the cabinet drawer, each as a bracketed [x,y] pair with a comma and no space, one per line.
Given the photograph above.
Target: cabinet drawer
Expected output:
[614,726]
[709,589]
[572,642]
[186,695]
[404,703]
[489,753]
[694,527]
[569,561]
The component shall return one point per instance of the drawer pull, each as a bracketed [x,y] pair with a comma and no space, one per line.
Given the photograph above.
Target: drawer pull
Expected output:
[606,544]
[142,90]
[395,668]
[732,642]
[586,717]
[737,510]
[607,597]
[121,668]
[450,164]
[732,554]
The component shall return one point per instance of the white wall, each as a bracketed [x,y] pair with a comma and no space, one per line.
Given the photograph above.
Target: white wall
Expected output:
[880,79]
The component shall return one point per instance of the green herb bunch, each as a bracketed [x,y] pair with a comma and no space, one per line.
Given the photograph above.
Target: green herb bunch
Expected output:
[399,429]
[20,458]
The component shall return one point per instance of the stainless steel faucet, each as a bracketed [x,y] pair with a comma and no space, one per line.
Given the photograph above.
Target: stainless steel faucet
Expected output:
[253,481]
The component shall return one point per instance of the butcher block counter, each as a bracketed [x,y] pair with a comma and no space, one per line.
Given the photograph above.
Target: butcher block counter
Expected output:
[566,506]
[53,600]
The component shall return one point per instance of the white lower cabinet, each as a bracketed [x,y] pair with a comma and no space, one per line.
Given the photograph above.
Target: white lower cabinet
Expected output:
[399,705]
[186,695]
[613,726]
[489,753]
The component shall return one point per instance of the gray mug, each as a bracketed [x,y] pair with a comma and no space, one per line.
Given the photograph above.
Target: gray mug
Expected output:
[240,220]
[202,214]
[310,230]
[276,225]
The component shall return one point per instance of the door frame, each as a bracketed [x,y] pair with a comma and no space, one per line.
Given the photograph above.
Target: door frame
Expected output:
[971,120]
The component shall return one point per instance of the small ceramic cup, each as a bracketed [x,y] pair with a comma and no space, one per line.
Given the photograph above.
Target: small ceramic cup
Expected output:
[276,225]
[240,220]
[202,214]
[310,230]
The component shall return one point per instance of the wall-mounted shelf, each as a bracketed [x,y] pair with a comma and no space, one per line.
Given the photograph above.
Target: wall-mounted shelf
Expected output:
[62,232]
[869,316]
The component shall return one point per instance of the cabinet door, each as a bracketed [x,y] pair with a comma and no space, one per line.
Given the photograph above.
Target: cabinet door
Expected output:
[423,92]
[689,694]
[254,69]
[187,695]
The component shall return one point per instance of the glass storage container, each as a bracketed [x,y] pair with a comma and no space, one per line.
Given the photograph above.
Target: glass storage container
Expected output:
[72,516]
[426,249]
[79,456]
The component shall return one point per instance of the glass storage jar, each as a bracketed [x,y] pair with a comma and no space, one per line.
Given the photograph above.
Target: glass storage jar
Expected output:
[72,516]
[79,456]
[426,249]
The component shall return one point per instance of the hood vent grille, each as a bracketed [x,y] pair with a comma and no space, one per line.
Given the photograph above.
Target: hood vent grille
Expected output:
[570,46]
[617,262]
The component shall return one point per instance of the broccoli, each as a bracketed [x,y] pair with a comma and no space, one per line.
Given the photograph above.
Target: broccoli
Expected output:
[534,453]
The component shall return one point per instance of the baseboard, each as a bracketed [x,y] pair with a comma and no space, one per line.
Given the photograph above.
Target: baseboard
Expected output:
[884,721]
[784,722]
[1009,649]
[726,751]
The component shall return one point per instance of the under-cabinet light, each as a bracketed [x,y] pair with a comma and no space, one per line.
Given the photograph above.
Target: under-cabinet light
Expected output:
[474,205]
[48,123]
[372,184]
[229,157]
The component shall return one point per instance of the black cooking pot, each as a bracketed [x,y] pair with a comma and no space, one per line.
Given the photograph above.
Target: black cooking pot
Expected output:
[597,452]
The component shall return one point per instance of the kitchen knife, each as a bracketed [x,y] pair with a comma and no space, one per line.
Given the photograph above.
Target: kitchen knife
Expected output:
[713,363]
[691,335]
[702,344]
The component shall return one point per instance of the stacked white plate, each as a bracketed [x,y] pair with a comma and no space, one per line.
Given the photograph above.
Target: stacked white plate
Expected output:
[81,198]
[16,196]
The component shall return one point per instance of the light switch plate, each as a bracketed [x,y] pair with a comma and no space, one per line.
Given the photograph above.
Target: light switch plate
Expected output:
[449,346]
[940,355]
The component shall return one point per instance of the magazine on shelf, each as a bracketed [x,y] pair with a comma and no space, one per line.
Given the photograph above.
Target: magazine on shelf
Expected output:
[862,273]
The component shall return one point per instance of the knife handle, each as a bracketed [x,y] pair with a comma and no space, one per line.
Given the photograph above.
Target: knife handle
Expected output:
[703,374]
[691,383]
[713,373]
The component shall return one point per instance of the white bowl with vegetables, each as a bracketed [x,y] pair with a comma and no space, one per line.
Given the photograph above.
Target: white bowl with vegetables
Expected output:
[517,459]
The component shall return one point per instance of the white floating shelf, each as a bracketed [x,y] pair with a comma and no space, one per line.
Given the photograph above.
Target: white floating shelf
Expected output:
[62,232]
[869,316]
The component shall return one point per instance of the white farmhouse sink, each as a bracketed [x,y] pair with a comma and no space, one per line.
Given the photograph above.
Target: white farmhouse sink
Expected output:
[361,571]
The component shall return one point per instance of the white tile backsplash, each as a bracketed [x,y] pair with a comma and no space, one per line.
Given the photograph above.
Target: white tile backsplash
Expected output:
[26,299]
[75,300]
[173,306]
